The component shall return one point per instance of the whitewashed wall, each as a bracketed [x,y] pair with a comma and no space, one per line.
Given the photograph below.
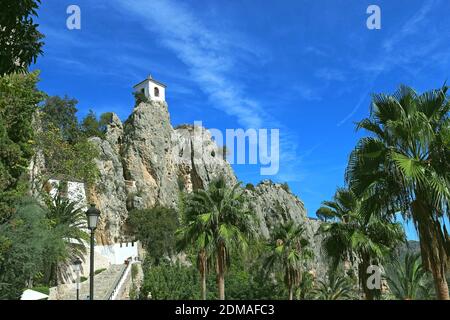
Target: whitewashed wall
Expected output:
[149,88]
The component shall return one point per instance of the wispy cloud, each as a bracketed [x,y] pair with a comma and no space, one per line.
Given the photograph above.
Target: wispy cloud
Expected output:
[391,56]
[211,56]
[329,74]
[305,92]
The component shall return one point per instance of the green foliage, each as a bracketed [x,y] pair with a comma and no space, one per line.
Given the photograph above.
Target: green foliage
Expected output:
[23,243]
[68,238]
[60,113]
[247,280]
[168,281]
[91,127]
[285,187]
[404,165]
[42,289]
[67,151]
[250,186]
[353,233]
[337,287]
[99,270]
[139,97]
[70,160]
[407,279]
[217,223]
[20,40]
[134,271]
[83,279]
[18,99]
[288,250]
[155,228]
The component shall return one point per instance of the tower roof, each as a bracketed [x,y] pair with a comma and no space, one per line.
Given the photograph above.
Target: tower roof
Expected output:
[150,78]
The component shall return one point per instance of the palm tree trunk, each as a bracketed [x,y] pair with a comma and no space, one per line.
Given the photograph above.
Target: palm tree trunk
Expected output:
[203,288]
[363,277]
[202,266]
[220,272]
[432,247]
[291,291]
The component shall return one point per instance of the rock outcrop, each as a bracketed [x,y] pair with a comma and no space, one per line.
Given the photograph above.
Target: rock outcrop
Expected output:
[273,203]
[145,162]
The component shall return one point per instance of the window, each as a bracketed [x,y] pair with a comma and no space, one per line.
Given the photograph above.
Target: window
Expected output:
[156,92]
[143,90]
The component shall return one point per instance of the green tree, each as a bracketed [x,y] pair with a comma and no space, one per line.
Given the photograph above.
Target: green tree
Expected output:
[195,238]
[408,280]
[61,113]
[169,281]
[219,212]
[66,221]
[155,228]
[337,287]
[23,242]
[19,97]
[68,160]
[20,40]
[92,127]
[288,252]
[404,165]
[353,234]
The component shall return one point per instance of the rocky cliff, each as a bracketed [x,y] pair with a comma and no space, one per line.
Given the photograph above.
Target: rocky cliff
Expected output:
[145,161]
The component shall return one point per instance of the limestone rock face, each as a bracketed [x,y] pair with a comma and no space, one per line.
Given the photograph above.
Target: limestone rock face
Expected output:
[273,204]
[145,162]
[109,194]
[147,156]
[198,158]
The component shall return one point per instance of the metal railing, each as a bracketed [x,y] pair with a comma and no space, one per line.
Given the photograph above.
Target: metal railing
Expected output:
[116,284]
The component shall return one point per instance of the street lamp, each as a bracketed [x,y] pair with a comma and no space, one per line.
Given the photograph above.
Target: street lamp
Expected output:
[92,215]
[77,268]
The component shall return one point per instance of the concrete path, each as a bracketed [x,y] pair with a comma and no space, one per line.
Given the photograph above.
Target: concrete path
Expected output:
[103,284]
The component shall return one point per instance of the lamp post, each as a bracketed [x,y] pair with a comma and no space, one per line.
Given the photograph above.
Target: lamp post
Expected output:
[92,215]
[77,268]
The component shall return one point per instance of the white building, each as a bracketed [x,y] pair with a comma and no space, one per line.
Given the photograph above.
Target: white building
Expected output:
[152,89]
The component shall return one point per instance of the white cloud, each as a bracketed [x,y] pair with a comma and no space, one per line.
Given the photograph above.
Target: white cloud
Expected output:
[391,55]
[211,56]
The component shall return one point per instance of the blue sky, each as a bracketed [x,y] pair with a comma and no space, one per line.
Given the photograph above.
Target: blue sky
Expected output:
[305,67]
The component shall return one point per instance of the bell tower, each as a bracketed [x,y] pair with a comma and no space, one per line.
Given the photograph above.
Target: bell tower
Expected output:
[152,89]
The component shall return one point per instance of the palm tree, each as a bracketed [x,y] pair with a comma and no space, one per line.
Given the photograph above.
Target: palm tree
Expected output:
[336,288]
[408,280]
[404,166]
[288,251]
[352,234]
[220,222]
[67,223]
[193,235]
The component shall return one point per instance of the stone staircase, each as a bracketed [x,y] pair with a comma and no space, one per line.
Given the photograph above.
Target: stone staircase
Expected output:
[104,283]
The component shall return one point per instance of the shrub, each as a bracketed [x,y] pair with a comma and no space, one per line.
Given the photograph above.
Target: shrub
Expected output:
[99,270]
[42,289]
[155,228]
[285,187]
[250,186]
[169,281]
